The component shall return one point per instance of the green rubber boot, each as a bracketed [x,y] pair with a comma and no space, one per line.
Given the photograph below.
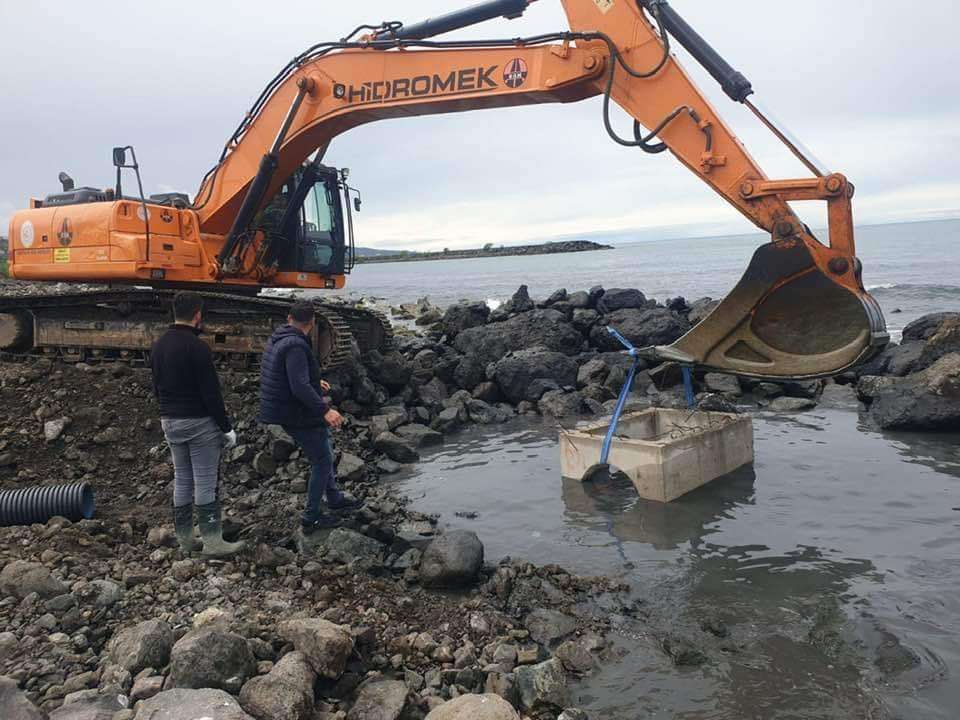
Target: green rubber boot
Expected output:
[183,527]
[211,530]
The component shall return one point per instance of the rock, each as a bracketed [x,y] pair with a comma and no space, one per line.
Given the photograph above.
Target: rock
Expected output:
[101,707]
[699,309]
[285,693]
[944,341]
[592,372]
[901,360]
[515,373]
[576,658]
[537,328]
[101,593]
[573,714]
[543,686]
[449,420]
[869,386]
[396,448]
[924,328]
[433,393]
[391,369]
[520,302]
[463,316]
[555,297]
[211,658]
[420,435]
[469,373]
[161,536]
[452,559]
[14,704]
[619,299]
[682,650]
[579,300]
[791,404]
[351,467]
[488,392]
[388,466]
[539,387]
[379,700]
[927,400]
[839,396]
[8,645]
[326,646]
[347,546]
[548,626]
[264,463]
[180,704]
[560,404]
[584,320]
[387,421]
[642,327]
[803,388]
[474,707]
[53,429]
[768,390]
[146,644]
[20,578]
[146,687]
[722,383]
[715,402]
[484,413]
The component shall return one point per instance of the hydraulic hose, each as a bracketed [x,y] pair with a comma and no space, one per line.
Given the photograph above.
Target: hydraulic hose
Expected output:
[27,506]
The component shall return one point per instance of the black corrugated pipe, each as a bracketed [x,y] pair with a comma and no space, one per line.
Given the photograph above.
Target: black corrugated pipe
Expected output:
[38,504]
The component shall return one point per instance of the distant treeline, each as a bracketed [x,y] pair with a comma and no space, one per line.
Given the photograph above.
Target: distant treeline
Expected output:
[488,250]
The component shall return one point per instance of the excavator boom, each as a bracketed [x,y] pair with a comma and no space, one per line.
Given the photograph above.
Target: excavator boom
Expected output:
[800,309]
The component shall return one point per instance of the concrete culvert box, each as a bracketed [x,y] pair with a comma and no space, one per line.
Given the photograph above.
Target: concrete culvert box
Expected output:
[665,453]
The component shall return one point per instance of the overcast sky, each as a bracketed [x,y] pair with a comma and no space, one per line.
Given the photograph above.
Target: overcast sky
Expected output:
[871,87]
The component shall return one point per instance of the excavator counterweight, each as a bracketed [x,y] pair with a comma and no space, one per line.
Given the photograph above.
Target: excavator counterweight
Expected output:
[266,216]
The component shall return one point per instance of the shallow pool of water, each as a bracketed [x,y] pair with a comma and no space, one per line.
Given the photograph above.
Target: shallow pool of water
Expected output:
[833,561]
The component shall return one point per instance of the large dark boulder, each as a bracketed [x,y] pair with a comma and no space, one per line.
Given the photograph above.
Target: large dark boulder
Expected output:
[927,400]
[392,370]
[699,309]
[944,340]
[211,658]
[515,373]
[520,302]
[464,315]
[642,327]
[620,299]
[538,328]
[452,559]
[925,327]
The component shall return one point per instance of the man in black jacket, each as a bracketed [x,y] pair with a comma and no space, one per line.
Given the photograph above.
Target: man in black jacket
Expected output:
[291,395]
[195,424]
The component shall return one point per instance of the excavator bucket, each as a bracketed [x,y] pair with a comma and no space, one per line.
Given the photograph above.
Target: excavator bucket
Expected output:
[786,319]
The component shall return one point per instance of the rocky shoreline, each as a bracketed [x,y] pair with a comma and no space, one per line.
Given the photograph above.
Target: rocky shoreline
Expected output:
[389,616]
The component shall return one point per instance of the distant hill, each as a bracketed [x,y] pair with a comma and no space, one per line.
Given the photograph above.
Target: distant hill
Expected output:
[487,250]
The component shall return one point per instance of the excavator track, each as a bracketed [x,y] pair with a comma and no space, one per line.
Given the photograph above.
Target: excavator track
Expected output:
[123,324]
[370,328]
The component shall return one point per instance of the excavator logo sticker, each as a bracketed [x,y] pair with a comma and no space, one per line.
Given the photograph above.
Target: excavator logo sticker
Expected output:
[477,79]
[65,236]
[515,73]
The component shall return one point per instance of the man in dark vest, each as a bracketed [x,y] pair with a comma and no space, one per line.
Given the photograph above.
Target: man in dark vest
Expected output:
[291,395]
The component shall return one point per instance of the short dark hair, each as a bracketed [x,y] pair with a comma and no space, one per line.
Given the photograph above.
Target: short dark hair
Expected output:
[186,305]
[302,311]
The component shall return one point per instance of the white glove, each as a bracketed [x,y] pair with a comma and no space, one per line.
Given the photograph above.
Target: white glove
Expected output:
[229,439]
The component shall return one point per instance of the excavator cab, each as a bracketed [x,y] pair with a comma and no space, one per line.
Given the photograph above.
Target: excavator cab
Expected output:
[309,223]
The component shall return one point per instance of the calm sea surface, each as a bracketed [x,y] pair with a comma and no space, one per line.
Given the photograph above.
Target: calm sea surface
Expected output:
[913,267]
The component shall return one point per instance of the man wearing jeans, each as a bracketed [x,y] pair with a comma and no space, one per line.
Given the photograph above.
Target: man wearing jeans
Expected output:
[195,424]
[291,395]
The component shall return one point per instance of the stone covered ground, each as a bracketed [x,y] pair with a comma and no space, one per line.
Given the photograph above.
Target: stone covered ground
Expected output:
[387,617]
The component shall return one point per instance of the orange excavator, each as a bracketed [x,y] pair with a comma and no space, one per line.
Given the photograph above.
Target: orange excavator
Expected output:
[269,214]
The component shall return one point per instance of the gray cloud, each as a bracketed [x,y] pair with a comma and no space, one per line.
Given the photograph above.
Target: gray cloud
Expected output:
[870,86]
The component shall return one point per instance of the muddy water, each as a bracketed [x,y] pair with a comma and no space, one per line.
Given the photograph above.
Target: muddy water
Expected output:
[832,566]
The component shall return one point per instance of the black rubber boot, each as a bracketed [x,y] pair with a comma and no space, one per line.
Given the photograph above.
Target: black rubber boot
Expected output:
[340,502]
[183,527]
[211,530]
[323,522]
